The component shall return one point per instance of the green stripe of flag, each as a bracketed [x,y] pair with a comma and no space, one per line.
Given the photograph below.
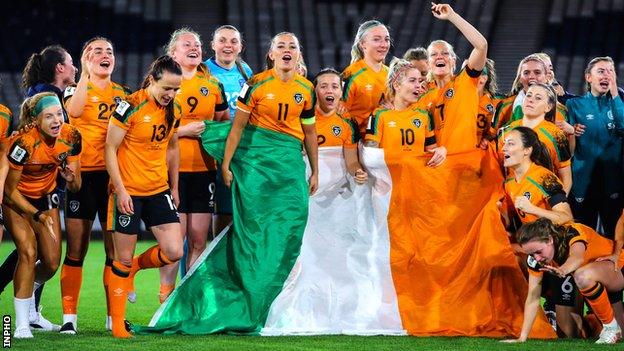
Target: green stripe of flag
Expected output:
[232,289]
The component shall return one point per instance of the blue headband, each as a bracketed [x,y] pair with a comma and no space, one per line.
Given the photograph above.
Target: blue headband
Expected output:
[45,102]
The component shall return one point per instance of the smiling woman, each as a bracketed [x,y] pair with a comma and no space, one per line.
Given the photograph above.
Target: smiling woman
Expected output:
[202,98]
[415,136]
[89,104]
[231,289]
[365,78]
[142,158]
[453,99]
[45,146]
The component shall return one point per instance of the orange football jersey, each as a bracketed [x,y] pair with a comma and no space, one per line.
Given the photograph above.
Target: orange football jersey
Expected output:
[277,105]
[6,118]
[541,186]
[487,107]
[596,246]
[142,155]
[334,130]
[555,140]
[455,111]
[363,90]
[200,97]
[93,123]
[39,161]
[400,132]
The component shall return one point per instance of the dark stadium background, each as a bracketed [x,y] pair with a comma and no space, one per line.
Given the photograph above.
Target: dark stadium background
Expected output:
[572,31]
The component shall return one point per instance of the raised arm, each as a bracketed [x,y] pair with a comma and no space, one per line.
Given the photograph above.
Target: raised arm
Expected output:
[78,94]
[478,56]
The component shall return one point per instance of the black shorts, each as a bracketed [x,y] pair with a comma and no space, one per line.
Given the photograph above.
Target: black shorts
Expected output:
[562,290]
[152,210]
[223,196]
[46,202]
[616,296]
[92,198]
[197,192]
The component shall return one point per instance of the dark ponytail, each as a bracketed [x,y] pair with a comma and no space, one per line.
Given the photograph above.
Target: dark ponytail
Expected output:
[162,64]
[41,67]
[539,153]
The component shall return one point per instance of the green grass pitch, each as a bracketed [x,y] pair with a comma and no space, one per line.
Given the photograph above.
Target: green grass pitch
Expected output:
[92,335]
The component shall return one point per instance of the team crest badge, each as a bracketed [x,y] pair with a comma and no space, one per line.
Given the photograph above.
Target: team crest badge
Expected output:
[124,220]
[298,98]
[489,108]
[62,157]
[74,205]
[527,195]
[336,130]
[532,262]
[203,91]
[416,122]
[449,93]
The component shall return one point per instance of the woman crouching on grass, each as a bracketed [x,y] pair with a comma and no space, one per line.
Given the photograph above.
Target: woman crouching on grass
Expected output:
[578,250]
[30,205]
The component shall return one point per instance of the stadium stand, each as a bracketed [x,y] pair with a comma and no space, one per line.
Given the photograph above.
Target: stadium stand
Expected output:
[579,30]
[571,31]
[137,28]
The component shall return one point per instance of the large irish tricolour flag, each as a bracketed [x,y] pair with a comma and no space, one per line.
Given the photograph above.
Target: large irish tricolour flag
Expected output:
[416,251]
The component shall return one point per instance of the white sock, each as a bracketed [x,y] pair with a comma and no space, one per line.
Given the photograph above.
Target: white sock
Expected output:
[73,318]
[21,312]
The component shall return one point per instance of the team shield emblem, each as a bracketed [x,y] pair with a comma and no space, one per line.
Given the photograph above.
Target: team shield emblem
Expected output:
[124,220]
[298,98]
[336,130]
[74,205]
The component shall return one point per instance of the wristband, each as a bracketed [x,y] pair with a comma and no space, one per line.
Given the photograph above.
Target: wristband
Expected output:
[37,215]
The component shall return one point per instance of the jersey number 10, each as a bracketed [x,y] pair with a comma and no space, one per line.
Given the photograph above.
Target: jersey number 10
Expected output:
[407,136]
